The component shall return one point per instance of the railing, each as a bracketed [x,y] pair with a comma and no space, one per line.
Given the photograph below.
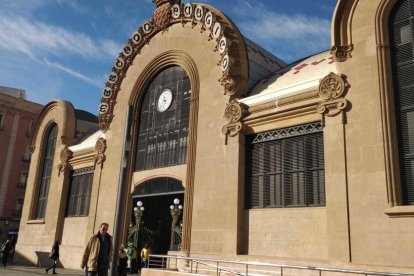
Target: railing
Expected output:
[223,267]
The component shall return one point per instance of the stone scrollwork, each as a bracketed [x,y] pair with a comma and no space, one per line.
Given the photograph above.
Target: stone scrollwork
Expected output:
[342,52]
[100,148]
[230,84]
[234,114]
[332,90]
[65,155]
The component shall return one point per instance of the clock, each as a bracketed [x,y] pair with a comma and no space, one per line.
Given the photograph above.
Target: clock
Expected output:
[164,100]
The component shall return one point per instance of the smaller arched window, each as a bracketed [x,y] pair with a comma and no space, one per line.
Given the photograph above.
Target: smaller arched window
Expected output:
[47,166]
[402,60]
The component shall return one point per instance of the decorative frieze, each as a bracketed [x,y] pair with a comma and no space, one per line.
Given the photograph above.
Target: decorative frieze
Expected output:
[167,13]
[65,155]
[342,52]
[234,114]
[332,90]
[100,148]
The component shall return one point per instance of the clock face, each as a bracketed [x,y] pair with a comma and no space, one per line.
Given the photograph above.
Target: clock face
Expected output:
[165,100]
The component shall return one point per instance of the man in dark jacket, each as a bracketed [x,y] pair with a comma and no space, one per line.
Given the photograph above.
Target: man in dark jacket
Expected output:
[5,249]
[98,252]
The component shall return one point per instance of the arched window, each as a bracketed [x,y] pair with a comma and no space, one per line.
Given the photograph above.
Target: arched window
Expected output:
[47,166]
[163,121]
[402,59]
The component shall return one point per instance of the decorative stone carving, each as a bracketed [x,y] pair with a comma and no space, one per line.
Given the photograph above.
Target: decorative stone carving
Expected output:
[342,52]
[230,85]
[332,89]
[65,155]
[167,13]
[234,113]
[100,148]
[162,14]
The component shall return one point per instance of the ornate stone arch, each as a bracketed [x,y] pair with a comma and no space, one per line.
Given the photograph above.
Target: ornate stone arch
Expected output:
[160,62]
[62,114]
[229,45]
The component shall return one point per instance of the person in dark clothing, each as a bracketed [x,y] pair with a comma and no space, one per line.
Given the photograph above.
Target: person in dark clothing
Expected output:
[6,248]
[122,261]
[54,256]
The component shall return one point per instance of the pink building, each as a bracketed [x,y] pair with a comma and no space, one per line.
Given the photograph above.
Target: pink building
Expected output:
[17,118]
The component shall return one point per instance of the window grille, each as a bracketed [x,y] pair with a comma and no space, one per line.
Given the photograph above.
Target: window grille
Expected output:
[23,180]
[285,168]
[27,154]
[1,121]
[163,135]
[402,59]
[30,129]
[80,192]
[46,172]
[18,207]
[162,185]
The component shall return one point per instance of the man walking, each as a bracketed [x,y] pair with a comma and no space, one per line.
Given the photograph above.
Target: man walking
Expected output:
[98,252]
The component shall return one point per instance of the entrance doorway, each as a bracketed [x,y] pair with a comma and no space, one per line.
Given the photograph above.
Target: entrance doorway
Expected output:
[157,196]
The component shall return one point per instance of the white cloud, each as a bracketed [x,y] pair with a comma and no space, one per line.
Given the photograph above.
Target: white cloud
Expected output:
[18,34]
[111,47]
[73,73]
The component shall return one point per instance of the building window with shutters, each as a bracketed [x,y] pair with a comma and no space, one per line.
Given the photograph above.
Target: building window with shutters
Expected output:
[285,168]
[80,192]
[402,60]
[47,167]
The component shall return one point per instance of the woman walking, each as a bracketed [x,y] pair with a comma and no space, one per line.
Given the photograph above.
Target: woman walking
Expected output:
[54,256]
[122,262]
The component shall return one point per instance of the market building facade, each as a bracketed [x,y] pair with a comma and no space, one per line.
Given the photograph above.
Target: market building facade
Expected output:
[307,163]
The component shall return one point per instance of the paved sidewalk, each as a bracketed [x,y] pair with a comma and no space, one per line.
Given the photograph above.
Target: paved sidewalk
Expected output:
[16,270]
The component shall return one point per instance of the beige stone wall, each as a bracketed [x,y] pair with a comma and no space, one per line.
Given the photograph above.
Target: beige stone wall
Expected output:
[375,237]
[288,232]
[73,241]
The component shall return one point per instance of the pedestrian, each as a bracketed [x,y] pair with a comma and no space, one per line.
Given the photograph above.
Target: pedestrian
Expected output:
[133,258]
[98,252]
[6,248]
[54,256]
[122,261]
[145,256]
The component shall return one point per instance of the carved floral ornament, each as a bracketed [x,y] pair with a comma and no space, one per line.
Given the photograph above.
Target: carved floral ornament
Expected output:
[342,52]
[100,148]
[167,13]
[65,155]
[332,90]
[234,113]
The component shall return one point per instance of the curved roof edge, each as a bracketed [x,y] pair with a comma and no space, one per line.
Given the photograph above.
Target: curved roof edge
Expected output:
[88,142]
[296,78]
[262,63]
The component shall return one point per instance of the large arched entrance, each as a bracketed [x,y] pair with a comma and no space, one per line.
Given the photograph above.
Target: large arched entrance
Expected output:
[152,216]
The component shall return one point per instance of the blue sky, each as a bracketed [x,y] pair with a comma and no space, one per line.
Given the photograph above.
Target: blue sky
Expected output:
[66,48]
